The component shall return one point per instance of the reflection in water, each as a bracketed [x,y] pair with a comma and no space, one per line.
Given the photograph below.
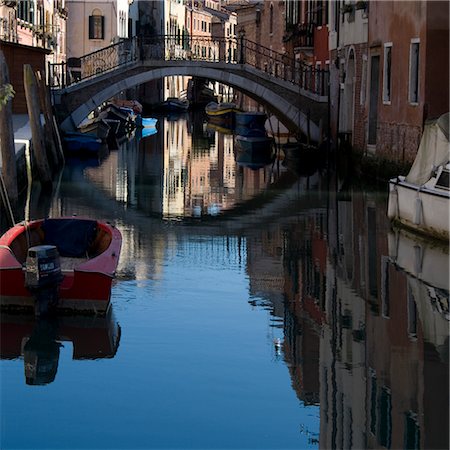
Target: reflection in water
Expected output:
[358,313]
[38,341]
[366,321]
[41,353]
[200,174]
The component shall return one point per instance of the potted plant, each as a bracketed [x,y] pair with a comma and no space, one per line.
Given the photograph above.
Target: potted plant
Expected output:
[361,4]
[347,8]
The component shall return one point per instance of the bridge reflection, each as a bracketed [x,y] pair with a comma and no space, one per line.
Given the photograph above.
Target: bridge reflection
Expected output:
[362,310]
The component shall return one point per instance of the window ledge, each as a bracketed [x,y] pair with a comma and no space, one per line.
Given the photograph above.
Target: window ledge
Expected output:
[387,102]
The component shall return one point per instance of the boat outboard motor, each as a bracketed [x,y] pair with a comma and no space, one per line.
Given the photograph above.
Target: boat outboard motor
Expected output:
[43,277]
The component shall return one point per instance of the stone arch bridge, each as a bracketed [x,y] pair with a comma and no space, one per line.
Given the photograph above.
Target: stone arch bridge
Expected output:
[296,93]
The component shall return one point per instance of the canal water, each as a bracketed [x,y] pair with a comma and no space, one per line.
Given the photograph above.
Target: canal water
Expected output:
[259,303]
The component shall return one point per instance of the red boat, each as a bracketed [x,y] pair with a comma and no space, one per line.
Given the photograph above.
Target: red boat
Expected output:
[63,263]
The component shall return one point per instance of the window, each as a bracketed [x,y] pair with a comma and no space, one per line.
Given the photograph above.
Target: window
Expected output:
[414,71]
[362,94]
[25,10]
[271,20]
[96,25]
[373,402]
[387,81]
[385,306]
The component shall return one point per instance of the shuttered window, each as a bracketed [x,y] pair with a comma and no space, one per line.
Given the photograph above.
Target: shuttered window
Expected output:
[96,27]
[387,73]
[414,71]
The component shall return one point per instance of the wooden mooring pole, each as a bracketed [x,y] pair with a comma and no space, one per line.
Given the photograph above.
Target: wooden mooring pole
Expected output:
[34,114]
[52,151]
[51,128]
[9,167]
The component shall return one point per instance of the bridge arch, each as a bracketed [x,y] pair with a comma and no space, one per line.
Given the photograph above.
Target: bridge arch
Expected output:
[282,99]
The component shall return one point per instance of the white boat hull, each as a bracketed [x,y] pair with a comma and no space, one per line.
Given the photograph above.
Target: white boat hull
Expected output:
[422,209]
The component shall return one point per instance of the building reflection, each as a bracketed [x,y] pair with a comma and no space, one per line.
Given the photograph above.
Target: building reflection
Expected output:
[187,169]
[364,310]
[366,320]
[38,341]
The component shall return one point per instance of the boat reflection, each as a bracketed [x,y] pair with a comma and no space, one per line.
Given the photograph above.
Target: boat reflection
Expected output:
[427,287]
[38,341]
[366,321]
[255,160]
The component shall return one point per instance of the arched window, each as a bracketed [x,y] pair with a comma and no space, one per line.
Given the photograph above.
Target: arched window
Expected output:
[96,25]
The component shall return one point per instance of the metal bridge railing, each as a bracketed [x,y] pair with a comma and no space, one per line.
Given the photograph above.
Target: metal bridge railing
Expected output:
[93,64]
[192,48]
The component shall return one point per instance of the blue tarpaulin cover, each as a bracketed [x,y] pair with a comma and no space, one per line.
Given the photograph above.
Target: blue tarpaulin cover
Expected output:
[71,237]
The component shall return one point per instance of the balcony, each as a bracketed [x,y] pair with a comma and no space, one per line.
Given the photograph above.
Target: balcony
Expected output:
[300,35]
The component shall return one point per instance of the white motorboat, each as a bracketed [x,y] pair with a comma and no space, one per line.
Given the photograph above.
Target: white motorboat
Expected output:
[420,201]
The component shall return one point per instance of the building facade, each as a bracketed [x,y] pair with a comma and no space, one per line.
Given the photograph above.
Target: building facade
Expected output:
[31,32]
[408,74]
[93,25]
[348,71]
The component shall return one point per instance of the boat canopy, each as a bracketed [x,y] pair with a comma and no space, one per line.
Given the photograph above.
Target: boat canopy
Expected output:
[433,151]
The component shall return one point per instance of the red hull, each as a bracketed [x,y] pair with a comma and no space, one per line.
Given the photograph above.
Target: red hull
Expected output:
[86,288]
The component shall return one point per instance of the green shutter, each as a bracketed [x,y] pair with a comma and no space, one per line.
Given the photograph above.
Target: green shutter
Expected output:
[91,27]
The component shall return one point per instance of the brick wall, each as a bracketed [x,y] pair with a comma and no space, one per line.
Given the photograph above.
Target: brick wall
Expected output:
[398,142]
[16,56]
[274,39]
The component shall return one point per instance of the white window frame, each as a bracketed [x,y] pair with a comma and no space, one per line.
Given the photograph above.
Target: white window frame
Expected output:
[416,69]
[387,93]
[363,91]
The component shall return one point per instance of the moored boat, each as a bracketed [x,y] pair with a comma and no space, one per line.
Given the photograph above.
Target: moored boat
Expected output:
[420,201]
[174,104]
[146,122]
[96,127]
[122,116]
[222,113]
[250,123]
[66,264]
[254,144]
[147,131]
[77,142]
[134,105]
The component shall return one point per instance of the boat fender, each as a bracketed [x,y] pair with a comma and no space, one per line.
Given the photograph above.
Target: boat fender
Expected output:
[43,277]
[418,211]
[393,207]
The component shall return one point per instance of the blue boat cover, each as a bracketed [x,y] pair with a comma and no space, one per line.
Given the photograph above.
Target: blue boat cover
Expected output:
[72,237]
